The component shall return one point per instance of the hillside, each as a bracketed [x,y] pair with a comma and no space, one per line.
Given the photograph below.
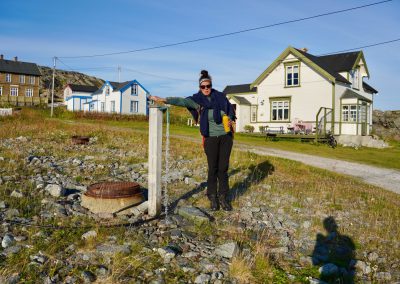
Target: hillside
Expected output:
[62,78]
[386,124]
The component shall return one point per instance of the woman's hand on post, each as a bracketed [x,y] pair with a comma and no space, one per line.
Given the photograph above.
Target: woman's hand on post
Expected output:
[157,99]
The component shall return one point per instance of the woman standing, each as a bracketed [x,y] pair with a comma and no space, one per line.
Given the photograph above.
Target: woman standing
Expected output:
[214,111]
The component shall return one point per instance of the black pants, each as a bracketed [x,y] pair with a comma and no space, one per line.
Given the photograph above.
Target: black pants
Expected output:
[218,150]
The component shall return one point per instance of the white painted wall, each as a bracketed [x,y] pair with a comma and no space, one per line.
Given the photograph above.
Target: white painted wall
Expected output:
[314,92]
[76,103]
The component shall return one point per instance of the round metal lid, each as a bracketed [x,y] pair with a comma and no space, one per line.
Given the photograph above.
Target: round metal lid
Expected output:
[113,189]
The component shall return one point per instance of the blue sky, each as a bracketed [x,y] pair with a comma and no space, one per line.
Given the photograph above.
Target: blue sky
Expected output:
[35,31]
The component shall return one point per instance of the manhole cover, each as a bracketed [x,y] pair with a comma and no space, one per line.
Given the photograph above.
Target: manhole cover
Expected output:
[113,190]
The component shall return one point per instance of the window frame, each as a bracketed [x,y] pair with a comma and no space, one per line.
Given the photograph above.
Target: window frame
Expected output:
[134,90]
[13,88]
[351,113]
[276,101]
[255,109]
[134,106]
[112,106]
[8,78]
[32,80]
[1,90]
[292,65]
[27,91]
[22,79]
[102,106]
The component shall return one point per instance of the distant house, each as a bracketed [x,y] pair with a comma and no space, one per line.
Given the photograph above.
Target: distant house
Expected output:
[128,97]
[76,95]
[301,92]
[19,82]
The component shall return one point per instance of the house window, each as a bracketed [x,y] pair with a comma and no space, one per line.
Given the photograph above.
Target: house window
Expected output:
[134,106]
[134,89]
[355,75]
[22,79]
[349,113]
[253,114]
[91,106]
[29,92]
[1,90]
[8,78]
[112,106]
[32,80]
[280,110]
[102,107]
[292,75]
[107,90]
[14,91]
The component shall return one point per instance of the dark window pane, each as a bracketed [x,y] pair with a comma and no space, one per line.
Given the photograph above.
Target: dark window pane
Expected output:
[279,114]
[286,113]
[274,114]
[295,82]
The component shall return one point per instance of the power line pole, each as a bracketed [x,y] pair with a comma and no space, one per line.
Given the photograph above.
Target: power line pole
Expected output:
[52,86]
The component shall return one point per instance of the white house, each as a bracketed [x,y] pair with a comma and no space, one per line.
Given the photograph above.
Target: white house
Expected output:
[129,97]
[300,91]
[76,95]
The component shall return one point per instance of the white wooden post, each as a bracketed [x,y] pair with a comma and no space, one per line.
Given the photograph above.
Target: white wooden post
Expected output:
[155,155]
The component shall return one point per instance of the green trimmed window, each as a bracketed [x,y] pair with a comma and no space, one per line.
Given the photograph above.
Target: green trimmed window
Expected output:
[292,72]
[349,113]
[280,110]
[253,114]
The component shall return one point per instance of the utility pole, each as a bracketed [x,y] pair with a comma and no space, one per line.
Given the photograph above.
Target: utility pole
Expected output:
[52,86]
[119,74]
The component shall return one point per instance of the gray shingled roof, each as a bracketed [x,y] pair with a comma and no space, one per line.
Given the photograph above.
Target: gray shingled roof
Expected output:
[19,67]
[367,87]
[349,94]
[118,86]
[83,88]
[237,89]
[241,100]
[328,64]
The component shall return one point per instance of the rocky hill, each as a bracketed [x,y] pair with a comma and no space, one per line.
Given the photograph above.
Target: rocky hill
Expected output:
[386,124]
[61,79]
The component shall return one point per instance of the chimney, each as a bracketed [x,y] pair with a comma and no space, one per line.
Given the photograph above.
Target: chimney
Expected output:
[1,56]
[15,58]
[304,49]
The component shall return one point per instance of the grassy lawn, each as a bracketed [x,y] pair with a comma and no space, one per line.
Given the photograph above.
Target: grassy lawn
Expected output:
[386,158]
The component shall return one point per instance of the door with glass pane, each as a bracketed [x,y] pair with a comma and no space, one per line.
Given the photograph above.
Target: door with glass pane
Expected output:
[363,118]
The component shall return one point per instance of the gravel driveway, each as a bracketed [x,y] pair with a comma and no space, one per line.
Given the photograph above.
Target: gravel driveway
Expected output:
[386,178]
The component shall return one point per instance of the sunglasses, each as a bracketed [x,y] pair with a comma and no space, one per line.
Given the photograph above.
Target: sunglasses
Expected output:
[205,86]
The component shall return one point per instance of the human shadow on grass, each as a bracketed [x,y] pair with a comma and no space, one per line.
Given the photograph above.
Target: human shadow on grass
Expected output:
[187,195]
[257,173]
[334,253]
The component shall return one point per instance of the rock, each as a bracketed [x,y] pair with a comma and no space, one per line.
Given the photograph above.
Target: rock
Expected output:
[89,235]
[102,271]
[13,279]
[16,194]
[329,269]
[8,241]
[88,277]
[383,276]
[373,256]
[363,267]
[166,253]
[193,214]
[108,249]
[202,279]
[190,254]
[3,205]
[11,213]
[55,190]
[306,261]
[11,250]
[227,250]
[279,250]
[39,258]
[306,224]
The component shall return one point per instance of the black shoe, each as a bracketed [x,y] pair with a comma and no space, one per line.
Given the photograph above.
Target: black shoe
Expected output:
[214,203]
[225,204]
